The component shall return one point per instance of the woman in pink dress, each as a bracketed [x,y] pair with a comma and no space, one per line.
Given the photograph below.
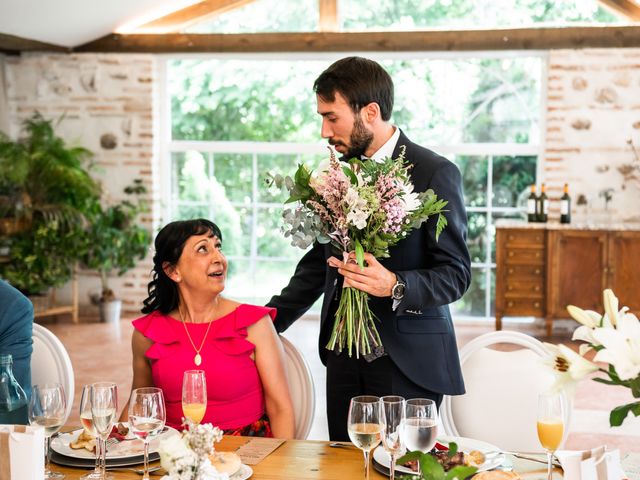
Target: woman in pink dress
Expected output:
[190,325]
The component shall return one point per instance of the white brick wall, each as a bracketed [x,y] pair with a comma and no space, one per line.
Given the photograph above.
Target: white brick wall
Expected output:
[98,94]
[593,109]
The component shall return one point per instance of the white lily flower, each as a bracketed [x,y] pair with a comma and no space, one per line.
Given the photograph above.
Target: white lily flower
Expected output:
[568,366]
[584,334]
[622,346]
[611,306]
[588,318]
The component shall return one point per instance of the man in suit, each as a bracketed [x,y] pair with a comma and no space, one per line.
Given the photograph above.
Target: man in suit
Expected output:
[409,291]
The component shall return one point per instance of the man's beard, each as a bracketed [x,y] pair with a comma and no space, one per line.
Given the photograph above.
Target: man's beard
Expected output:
[360,139]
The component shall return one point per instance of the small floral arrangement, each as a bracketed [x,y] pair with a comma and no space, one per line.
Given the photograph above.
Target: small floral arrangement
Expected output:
[186,457]
[615,337]
[362,206]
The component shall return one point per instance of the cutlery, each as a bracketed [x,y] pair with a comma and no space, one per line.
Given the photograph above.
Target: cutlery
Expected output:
[520,455]
[139,471]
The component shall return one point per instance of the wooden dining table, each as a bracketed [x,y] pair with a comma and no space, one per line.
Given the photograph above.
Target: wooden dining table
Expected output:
[300,460]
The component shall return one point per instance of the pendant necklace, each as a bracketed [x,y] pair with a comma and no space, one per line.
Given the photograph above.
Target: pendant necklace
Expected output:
[198,358]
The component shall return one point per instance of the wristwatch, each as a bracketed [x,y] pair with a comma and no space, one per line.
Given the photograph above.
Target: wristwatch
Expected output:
[397,292]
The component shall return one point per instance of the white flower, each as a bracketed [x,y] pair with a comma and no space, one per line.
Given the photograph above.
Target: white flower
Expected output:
[356,207]
[568,366]
[611,306]
[410,198]
[588,318]
[621,345]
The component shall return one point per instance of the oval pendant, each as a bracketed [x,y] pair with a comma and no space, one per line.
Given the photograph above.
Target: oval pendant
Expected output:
[197,359]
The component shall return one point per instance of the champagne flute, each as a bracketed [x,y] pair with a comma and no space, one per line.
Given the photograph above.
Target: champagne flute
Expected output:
[420,425]
[393,415]
[147,415]
[364,425]
[194,395]
[47,408]
[86,419]
[551,411]
[104,405]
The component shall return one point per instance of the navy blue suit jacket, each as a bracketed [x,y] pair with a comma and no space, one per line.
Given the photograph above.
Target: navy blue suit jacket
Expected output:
[419,335]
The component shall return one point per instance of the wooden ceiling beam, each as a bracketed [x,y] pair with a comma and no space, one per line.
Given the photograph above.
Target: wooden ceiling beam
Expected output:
[12,45]
[197,13]
[628,8]
[467,40]
[328,15]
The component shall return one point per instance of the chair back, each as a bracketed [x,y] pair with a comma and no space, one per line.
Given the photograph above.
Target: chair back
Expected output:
[500,406]
[303,393]
[50,363]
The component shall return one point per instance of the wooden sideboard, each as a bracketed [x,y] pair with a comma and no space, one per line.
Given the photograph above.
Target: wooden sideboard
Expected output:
[542,268]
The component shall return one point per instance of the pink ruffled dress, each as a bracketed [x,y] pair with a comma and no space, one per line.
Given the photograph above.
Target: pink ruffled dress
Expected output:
[235,396]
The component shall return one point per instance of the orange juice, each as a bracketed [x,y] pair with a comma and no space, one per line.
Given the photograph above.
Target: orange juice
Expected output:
[550,433]
[194,411]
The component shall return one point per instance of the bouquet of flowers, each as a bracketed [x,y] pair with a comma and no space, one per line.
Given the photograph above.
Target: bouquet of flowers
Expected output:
[186,457]
[361,206]
[615,338]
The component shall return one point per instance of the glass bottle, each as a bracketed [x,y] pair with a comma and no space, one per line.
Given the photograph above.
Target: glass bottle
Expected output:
[532,201]
[543,205]
[565,206]
[14,407]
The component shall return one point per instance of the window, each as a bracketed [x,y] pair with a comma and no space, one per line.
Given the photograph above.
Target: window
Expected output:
[232,121]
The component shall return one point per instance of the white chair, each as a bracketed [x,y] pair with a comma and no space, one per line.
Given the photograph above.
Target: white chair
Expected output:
[500,405]
[50,363]
[303,393]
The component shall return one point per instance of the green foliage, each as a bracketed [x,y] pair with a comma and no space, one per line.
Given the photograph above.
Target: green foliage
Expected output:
[431,469]
[115,240]
[43,181]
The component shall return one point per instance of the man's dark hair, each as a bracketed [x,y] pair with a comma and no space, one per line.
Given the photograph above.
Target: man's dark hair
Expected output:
[360,81]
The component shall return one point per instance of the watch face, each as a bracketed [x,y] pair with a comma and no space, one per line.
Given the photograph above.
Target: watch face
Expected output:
[398,291]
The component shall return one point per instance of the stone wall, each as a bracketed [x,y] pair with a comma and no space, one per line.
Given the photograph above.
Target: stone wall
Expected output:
[107,102]
[593,112]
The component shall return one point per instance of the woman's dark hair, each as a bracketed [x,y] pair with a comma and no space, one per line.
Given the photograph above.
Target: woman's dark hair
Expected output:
[360,81]
[169,243]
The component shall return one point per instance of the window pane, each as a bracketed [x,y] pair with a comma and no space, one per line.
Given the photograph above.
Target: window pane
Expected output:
[239,285]
[233,100]
[473,302]
[477,238]
[474,179]
[272,277]
[236,226]
[191,182]
[271,240]
[234,174]
[415,14]
[512,177]
[189,212]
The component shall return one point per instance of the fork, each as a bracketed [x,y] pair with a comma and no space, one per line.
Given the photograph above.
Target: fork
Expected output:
[152,470]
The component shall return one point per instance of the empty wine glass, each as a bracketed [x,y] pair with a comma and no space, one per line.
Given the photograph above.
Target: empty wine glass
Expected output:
[104,405]
[364,425]
[86,419]
[194,395]
[392,418]
[420,425]
[47,408]
[550,425]
[147,415]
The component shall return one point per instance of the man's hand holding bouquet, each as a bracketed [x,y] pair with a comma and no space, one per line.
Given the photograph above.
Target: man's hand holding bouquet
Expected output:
[362,208]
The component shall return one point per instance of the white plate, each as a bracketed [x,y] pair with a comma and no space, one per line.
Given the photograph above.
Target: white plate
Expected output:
[464,445]
[132,447]
[244,472]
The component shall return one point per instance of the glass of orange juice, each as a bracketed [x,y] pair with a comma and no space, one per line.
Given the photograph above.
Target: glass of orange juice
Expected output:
[551,414]
[194,395]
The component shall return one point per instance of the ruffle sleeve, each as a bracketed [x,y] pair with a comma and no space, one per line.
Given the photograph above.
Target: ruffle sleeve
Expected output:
[159,329]
[231,338]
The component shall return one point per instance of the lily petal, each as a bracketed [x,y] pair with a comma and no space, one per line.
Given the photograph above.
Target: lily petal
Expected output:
[588,318]
[611,306]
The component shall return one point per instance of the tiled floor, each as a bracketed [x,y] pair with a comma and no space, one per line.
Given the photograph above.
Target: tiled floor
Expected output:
[102,352]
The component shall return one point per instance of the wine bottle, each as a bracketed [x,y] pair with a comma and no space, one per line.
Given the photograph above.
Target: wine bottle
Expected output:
[532,201]
[565,205]
[542,205]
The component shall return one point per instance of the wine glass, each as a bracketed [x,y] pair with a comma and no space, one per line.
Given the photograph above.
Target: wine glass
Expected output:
[47,408]
[86,419]
[551,409]
[392,416]
[420,425]
[104,405]
[364,425]
[194,395]
[147,415]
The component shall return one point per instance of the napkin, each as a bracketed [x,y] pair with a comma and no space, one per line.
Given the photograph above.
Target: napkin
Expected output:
[21,452]
[595,464]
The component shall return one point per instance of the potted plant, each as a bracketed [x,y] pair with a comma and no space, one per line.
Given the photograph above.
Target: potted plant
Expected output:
[115,243]
[45,195]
